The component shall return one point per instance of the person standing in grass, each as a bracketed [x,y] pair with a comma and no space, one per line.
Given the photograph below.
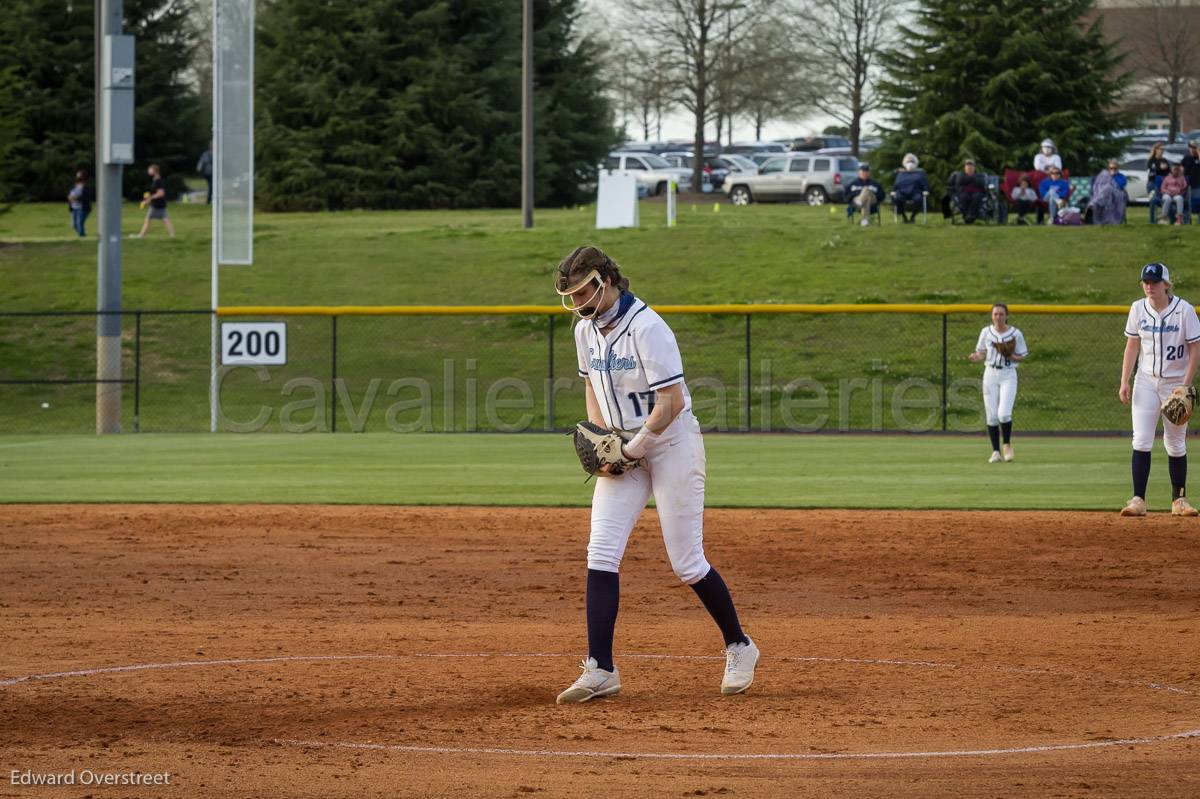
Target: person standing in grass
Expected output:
[1002,347]
[157,199]
[79,199]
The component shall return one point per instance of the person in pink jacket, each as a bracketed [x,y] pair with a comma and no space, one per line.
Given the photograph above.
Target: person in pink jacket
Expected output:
[1174,192]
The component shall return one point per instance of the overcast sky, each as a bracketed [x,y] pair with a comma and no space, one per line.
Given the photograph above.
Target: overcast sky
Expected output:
[681,124]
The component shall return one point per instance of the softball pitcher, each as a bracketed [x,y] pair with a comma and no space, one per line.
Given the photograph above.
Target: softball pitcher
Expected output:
[1002,346]
[1163,339]
[633,381]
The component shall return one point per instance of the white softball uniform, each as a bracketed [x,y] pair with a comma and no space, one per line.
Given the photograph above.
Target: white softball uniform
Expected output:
[1000,374]
[625,367]
[1162,365]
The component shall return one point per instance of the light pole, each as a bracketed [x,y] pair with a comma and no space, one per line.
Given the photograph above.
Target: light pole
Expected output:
[527,116]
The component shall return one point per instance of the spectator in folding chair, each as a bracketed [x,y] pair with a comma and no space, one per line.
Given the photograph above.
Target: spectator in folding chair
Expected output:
[1054,191]
[1109,199]
[910,192]
[1048,157]
[1191,171]
[863,194]
[965,191]
[1025,198]
[1157,169]
[1174,191]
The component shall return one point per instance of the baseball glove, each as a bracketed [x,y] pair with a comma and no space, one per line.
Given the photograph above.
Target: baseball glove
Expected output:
[1006,347]
[1178,407]
[597,447]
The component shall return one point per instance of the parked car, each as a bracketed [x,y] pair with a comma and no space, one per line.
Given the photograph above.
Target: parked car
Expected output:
[711,148]
[651,170]
[750,147]
[655,147]
[737,163]
[761,158]
[714,171]
[813,178]
[717,167]
[809,143]
[1134,169]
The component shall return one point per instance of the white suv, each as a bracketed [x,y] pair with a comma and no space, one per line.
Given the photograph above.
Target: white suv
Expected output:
[651,171]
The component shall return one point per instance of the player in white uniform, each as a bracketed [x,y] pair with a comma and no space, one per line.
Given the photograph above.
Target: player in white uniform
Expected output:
[999,379]
[633,375]
[1163,337]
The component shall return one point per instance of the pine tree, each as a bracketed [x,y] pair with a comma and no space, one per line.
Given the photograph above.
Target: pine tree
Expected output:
[989,79]
[47,99]
[416,104]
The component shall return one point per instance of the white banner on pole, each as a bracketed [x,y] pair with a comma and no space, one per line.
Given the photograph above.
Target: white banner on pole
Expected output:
[233,130]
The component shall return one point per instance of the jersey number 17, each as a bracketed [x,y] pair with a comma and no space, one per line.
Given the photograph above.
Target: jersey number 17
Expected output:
[648,396]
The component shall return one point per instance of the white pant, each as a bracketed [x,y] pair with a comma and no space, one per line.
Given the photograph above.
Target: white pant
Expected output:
[674,473]
[1149,393]
[999,394]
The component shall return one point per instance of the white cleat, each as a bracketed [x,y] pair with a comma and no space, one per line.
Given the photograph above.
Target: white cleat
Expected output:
[1136,507]
[740,660]
[1007,452]
[594,682]
[1181,507]
[995,458]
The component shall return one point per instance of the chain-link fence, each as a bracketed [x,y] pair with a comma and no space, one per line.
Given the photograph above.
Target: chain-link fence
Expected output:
[829,369]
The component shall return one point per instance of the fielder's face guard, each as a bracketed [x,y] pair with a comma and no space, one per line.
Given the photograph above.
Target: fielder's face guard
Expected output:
[566,291]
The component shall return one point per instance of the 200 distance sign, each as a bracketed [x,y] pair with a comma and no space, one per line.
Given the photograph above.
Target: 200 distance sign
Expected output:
[254,343]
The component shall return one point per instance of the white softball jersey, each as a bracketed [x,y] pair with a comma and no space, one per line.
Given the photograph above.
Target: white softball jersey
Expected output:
[638,356]
[1000,374]
[989,337]
[1162,365]
[1164,336]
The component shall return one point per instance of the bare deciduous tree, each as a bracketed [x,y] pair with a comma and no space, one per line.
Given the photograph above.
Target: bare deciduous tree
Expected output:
[689,35]
[848,36]
[776,75]
[1165,51]
[647,87]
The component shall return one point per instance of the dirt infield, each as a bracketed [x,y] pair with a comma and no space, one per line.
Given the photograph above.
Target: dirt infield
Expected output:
[417,652]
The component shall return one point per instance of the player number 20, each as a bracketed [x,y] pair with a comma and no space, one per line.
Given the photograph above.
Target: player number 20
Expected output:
[1175,353]
[647,396]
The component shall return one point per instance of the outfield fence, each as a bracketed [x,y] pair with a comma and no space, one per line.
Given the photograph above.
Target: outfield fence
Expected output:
[760,368]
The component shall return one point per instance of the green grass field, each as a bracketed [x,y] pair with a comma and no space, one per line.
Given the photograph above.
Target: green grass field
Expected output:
[756,254]
[760,253]
[483,469]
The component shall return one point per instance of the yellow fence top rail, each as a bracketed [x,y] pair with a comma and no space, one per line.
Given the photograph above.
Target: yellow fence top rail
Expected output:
[762,308]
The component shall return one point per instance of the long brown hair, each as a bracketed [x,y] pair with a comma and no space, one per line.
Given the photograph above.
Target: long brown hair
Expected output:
[583,260]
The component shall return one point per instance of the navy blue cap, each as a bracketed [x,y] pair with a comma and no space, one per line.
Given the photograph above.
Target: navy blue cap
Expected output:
[1155,273]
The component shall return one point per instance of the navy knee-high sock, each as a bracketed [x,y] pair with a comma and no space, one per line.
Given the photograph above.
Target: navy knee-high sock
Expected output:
[994,435]
[1177,466]
[603,599]
[1141,472]
[715,595]
[1006,431]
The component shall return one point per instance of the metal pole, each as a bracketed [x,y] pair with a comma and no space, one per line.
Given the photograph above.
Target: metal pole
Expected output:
[137,371]
[527,117]
[747,372]
[213,399]
[944,362]
[550,372]
[108,260]
[333,376]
